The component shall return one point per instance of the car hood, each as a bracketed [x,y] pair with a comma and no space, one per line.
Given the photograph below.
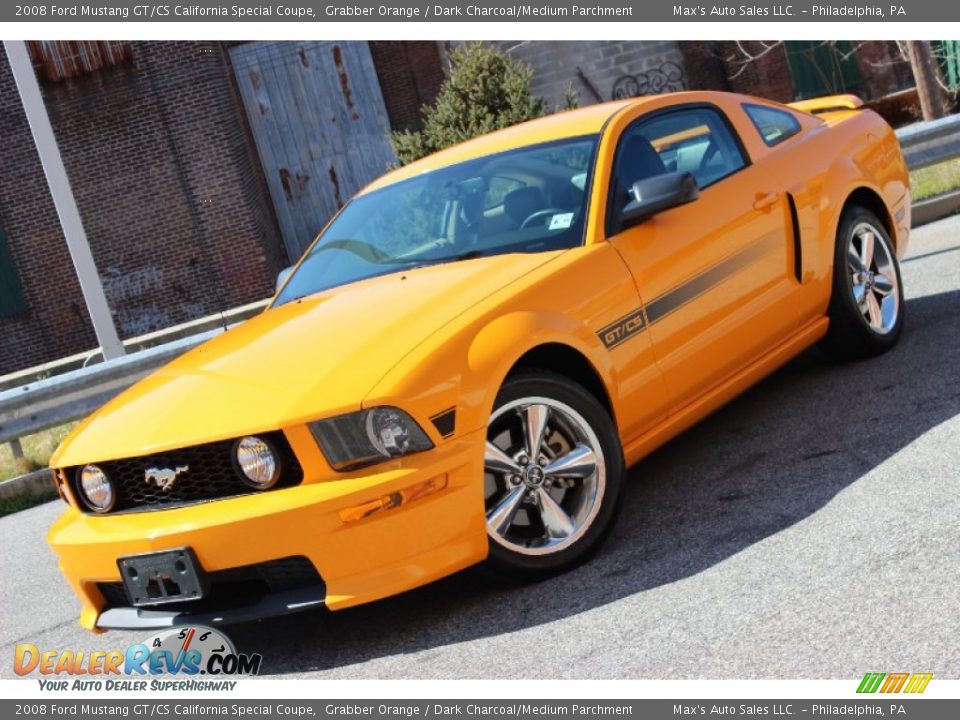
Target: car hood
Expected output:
[314,357]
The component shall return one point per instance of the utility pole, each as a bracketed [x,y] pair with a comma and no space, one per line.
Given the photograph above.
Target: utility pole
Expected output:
[63,200]
[925,73]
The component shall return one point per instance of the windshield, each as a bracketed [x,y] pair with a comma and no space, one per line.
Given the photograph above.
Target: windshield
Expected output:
[528,200]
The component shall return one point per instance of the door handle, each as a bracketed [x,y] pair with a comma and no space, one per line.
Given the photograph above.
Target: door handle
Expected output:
[765,200]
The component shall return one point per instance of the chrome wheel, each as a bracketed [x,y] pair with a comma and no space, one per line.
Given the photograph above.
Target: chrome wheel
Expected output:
[544,476]
[873,278]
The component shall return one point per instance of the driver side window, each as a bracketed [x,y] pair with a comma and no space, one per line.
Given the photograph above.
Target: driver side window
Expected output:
[695,140]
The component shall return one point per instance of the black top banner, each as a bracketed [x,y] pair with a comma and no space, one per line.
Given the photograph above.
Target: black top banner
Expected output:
[327,11]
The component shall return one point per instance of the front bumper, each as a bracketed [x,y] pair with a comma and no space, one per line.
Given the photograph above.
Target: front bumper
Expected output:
[358,559]
[130,618]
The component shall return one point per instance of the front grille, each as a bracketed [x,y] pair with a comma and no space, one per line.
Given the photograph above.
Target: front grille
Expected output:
[211,475]
[234,586]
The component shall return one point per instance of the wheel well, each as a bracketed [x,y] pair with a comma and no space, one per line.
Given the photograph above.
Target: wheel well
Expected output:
[564,360]
[866,198]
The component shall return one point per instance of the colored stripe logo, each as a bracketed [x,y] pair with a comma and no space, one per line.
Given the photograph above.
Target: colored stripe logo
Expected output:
[894,682]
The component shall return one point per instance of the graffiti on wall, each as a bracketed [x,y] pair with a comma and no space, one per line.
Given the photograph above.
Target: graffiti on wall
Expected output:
[669,77]
[133,295]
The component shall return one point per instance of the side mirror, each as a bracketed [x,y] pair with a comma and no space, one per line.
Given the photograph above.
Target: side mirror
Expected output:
[656,194]
[282,278]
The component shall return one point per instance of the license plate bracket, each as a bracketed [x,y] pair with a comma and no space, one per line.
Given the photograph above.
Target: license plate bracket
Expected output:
[163,577]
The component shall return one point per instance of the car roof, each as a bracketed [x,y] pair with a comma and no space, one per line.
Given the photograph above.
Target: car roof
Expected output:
[571,123]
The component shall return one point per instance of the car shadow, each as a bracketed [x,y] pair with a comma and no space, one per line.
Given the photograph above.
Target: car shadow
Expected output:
[771,458]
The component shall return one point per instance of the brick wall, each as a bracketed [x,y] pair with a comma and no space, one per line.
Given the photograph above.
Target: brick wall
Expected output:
[606,69]
[410,75]
[767,76]
[168,188]
[885,70]
[705,67]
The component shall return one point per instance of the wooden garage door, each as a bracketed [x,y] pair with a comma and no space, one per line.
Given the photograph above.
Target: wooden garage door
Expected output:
[319,124]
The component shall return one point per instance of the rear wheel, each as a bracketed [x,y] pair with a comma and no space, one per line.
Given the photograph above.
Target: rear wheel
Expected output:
[866,308]
[553,473]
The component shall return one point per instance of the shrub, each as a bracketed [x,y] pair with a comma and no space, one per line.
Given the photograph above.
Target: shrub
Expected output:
[484,90]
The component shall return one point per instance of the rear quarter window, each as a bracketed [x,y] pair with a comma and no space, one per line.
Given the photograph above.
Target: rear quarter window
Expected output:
[774,125]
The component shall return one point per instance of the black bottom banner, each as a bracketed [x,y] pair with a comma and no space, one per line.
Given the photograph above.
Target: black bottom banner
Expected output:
[895,708]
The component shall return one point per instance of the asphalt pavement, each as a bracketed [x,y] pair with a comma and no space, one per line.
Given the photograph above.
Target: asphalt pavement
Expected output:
[810,529]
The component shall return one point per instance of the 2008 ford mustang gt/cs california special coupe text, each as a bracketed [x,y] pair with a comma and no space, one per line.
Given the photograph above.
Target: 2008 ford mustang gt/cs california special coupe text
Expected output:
[467,358]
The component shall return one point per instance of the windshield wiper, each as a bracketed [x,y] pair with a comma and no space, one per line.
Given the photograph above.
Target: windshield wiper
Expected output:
[423,262]
[360,248]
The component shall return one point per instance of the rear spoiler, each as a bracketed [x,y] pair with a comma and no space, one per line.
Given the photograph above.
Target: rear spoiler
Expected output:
[830,103]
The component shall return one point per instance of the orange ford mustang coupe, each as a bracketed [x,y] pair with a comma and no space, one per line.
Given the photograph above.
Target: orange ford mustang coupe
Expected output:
[467,358]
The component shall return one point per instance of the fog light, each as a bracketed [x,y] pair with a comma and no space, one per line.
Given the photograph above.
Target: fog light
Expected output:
[96,489]
[258,463]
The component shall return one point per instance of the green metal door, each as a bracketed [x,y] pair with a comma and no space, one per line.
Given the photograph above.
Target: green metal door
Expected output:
[949,53]
[822,68]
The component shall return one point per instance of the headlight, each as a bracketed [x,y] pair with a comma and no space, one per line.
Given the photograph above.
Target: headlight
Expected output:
[258,463]
[95,488]
[369,436]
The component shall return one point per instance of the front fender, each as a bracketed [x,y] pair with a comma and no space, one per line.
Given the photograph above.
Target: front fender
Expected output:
[466,371]
[497,348]
[463,365]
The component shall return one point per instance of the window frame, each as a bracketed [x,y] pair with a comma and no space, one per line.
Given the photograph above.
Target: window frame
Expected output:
[609,224]
[797,125]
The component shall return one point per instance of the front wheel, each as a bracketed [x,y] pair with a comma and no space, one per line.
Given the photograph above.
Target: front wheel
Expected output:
[553,474]
[866,308]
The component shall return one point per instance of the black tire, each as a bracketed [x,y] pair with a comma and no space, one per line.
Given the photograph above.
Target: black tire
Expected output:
[851,335]
[608,476]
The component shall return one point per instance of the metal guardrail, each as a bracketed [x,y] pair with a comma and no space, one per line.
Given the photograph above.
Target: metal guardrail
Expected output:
[929,143]
[75,394]
[132,345]
[47,403]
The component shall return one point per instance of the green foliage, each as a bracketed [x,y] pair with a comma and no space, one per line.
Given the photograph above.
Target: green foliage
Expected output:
[571,98]
[485,90]
[37,450]
[935,180]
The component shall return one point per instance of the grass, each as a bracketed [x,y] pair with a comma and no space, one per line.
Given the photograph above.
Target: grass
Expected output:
[37,450]
[935,180]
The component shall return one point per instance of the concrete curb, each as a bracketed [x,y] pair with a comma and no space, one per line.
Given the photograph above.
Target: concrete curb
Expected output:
[35,483]
[927,211]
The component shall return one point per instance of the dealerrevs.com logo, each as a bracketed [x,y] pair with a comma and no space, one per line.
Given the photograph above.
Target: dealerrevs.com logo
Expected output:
[182,652]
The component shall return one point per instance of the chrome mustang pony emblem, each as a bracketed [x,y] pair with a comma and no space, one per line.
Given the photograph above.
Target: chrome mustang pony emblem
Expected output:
[164,478]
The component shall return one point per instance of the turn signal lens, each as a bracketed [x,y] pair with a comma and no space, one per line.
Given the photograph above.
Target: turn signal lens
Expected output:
[394,500]
[60,483]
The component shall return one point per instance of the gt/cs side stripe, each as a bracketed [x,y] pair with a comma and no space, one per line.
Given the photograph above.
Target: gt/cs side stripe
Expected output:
[690,289]
[631,324]
[621,330]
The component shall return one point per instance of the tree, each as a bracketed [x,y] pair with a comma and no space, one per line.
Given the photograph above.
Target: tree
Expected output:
[920,56]
[924,68]
[484,90]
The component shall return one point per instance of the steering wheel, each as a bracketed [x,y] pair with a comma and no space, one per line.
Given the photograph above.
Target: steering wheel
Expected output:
[539,214]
